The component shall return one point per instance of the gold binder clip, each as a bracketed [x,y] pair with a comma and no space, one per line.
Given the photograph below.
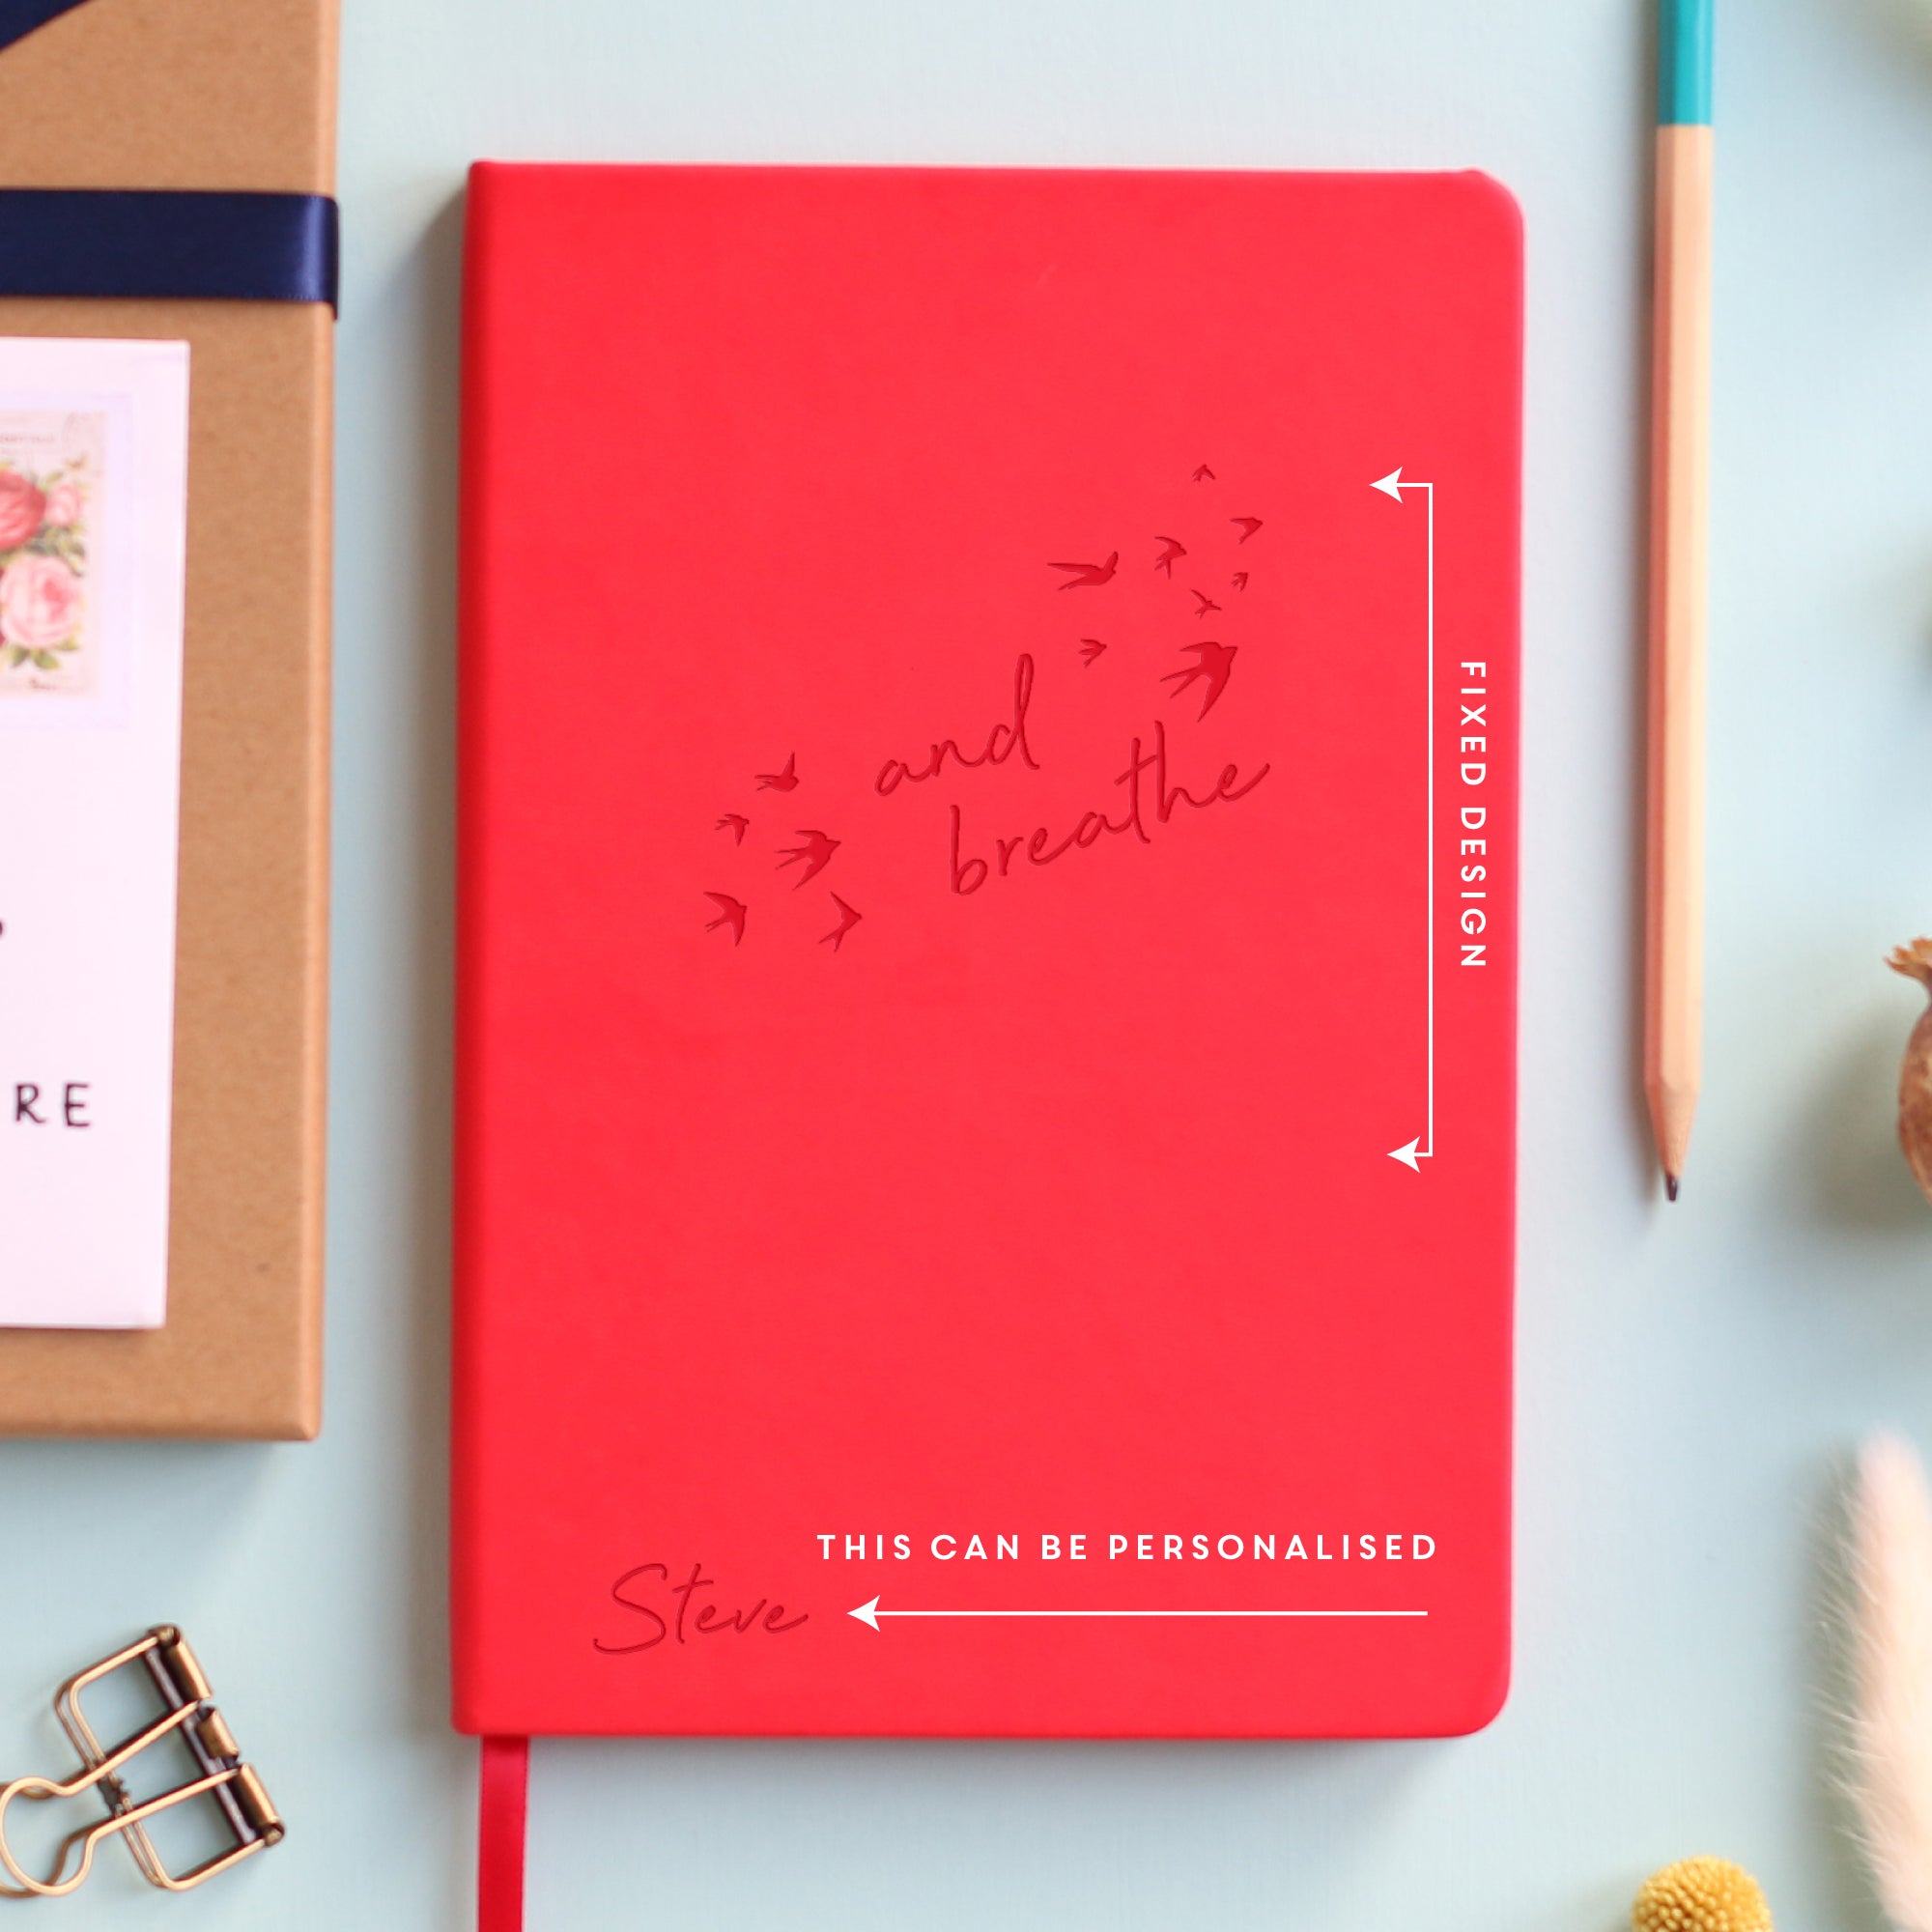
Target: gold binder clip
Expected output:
[188,1714]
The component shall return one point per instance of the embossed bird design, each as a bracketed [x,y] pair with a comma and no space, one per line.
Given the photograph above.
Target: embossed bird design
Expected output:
[1203,603]
[732,913]
[1091,649]
[736,823]
[815,854]
[1089,576]
[1247,525]
[785,781]
[847,920]
[1165,560]
[1212,663]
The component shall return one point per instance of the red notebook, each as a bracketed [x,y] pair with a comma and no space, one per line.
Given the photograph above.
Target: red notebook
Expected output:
[986,1010]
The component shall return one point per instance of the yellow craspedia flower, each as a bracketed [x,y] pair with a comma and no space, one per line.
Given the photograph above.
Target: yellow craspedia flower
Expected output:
[1702,1895]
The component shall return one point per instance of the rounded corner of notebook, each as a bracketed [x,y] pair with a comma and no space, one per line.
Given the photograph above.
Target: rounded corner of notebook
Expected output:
[1484,1700]
[468,1716]
[1498,201]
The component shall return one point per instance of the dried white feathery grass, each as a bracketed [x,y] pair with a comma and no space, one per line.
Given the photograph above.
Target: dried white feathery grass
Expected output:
[1889,1661]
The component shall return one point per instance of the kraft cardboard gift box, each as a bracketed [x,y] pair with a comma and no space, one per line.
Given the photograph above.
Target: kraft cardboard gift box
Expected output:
[225,94]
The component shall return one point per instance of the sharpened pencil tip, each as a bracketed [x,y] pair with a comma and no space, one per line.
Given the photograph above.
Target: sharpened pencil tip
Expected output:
[1670,1185]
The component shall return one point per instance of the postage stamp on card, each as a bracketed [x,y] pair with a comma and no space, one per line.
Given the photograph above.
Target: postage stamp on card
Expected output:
[51,479]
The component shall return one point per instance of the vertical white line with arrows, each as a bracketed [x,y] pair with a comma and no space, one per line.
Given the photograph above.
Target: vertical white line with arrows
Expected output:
[1392,486]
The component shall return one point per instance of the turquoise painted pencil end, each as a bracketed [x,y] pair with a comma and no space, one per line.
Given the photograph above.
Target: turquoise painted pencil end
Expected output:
[1684,62]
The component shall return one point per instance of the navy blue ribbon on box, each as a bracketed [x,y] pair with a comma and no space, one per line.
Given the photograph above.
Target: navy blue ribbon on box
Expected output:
[198,244]
[215,245]
[22,16]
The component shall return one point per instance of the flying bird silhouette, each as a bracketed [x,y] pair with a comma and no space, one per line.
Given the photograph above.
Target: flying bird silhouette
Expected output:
[847,920]
[1203,603]
[1212,662]
[738,824]
[1247,525]
[815,854]
[1203,475]
[1240,579]
[1091,648]
[785,781]
[1165,560]
[1088,575]
[732,913]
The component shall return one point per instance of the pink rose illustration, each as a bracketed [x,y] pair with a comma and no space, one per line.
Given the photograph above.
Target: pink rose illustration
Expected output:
[40,601]
[64,505]
[22,508]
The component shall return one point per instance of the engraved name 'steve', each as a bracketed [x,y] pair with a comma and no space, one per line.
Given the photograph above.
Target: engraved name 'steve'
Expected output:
[665,1611]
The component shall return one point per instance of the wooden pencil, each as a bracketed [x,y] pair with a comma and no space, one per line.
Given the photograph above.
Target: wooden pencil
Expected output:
[1679,534]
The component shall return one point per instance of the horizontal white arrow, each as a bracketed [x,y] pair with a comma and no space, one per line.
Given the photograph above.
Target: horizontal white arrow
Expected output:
[870,1613]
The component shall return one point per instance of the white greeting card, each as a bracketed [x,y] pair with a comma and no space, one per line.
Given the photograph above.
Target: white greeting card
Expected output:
[93,554]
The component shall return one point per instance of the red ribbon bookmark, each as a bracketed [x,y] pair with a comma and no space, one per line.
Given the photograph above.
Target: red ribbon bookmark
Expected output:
[503,1801]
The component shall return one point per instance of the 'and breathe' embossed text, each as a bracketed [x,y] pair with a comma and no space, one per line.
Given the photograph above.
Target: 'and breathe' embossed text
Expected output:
[1153,795]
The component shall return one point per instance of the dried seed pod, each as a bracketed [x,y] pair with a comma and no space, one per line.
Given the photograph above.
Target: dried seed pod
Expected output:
[1702,1895]
[1914,1076]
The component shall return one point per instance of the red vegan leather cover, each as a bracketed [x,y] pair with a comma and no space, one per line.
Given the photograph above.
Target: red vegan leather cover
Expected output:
[987,1008]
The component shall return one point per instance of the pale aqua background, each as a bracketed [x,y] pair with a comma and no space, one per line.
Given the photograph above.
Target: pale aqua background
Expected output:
[1689,1377]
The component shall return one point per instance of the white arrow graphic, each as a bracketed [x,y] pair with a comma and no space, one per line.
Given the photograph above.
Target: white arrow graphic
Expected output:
[870,1613]
[1392,486]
